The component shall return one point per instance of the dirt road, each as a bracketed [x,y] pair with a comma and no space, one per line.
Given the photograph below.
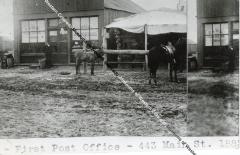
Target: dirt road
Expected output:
[49,103]
[213,104]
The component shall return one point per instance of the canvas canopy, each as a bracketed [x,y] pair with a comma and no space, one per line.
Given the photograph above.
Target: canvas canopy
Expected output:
[155,22]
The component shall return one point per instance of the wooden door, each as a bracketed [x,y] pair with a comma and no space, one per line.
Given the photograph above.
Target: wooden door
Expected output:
[58,40]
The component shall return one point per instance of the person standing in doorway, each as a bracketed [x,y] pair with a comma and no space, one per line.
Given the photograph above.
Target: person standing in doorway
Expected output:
[48,55]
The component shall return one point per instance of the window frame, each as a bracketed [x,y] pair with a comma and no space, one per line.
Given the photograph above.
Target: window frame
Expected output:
[30,32]
[213,35]
[89,29]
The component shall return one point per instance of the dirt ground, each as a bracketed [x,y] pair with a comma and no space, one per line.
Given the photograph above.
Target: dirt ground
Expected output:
[213,103]
[50,103]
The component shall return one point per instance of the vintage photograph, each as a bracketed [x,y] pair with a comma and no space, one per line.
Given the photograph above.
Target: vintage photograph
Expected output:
[73,68]
[213,68]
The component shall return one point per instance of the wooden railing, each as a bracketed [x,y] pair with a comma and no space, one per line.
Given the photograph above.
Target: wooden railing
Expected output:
[130,52]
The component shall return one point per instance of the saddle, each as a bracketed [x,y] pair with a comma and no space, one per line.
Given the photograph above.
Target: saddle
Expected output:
[170,51]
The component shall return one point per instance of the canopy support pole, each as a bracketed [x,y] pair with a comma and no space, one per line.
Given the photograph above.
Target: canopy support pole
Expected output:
[104,46]
[146,42]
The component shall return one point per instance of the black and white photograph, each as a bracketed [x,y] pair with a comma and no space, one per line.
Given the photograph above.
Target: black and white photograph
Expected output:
[213,68]
[57,84]
[145,75]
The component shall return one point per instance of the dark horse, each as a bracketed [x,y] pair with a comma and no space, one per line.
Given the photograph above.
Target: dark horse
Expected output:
[86,56]
[162,53]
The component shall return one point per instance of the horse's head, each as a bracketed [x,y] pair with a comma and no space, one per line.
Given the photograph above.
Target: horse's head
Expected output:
[100,52]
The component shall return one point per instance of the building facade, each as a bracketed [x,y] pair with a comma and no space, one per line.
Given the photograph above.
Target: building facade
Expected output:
[35,25]
[5,44]
[218,29]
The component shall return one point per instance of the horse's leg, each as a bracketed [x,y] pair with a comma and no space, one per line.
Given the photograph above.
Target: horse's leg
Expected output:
[92,67]
[155,77]
[77,66]
[170,71]
[150,77]
[175,73]
[85,67]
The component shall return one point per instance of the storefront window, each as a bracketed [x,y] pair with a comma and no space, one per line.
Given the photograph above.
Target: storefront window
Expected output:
[25,37]
[94,22]
[235,35]
[217,34]
[216,39]
[85,23]
[208,29]
[53,36]
[41,25]
[224,40]
[87,27]
[33,31]
[208,40]
[235,26]
[33,37]
[216,28]
[76,22]
[224,28]
[25,26]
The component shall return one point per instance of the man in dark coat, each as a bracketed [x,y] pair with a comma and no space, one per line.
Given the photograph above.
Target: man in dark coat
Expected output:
[48,55]
[231,57]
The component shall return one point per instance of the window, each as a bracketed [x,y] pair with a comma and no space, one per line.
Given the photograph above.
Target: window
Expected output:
[53,36]
[217,34]
[235,26]
[87,27]
[33,31]
[235,33]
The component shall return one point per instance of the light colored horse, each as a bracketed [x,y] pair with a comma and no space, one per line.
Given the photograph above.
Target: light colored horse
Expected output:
[85,56]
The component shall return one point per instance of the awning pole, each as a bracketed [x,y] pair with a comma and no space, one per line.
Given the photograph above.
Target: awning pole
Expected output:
[146,42]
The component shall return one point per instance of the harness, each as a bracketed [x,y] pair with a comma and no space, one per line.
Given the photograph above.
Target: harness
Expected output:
[169,50]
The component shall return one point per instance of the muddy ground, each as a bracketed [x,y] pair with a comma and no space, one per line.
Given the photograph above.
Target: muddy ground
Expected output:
[51,103]
[213,103]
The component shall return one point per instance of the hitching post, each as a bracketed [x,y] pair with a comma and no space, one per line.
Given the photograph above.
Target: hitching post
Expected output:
[104,46]
[146,42]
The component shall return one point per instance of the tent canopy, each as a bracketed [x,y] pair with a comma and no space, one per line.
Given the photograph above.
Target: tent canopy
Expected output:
[157,22]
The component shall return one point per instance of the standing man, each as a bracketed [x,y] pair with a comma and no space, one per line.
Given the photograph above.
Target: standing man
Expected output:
[48,55]
[231,57]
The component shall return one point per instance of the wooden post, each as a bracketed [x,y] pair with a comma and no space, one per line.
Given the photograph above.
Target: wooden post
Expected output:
[146,42]
[104,46]
[118,42]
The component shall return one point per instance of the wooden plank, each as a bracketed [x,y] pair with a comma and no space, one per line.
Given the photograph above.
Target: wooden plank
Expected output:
[32,54]
[33,6]
[112,62]
[214,8]
[138,52]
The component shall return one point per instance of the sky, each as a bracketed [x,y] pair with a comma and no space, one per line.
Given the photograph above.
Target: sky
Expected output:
[6,18]
[192,20]
[6,14]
